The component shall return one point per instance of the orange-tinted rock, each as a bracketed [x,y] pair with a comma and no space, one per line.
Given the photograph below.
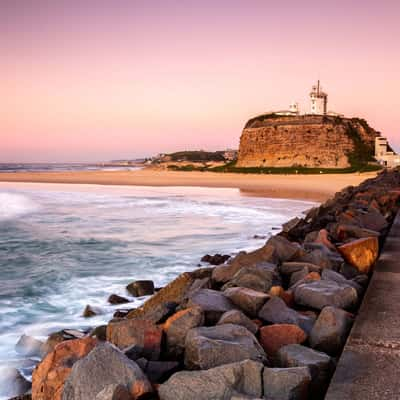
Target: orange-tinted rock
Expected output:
[285,295]
[155,310]
[139,332]
[273,337]
[61,336]
[138,389]
[276,291]
[177,326]
[312,276]
[49,376]
[361,253]
[323,238]
[248,300]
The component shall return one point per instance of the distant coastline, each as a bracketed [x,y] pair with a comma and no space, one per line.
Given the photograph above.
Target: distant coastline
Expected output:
[61,167]
[302,187]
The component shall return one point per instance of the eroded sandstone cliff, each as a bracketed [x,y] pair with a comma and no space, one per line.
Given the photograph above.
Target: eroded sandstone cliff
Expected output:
[306,141]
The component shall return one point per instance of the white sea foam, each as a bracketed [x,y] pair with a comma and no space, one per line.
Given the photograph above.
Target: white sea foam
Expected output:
[15,205]
[64,247]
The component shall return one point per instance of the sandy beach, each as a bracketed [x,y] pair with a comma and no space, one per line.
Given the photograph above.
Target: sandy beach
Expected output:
[304,187]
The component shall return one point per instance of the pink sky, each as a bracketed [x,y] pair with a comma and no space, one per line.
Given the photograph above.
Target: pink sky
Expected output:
[99,80]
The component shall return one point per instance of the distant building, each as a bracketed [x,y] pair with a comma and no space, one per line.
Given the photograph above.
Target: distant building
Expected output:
[380,146]
[319,100]
[387,158]
[294,108]
[230,154]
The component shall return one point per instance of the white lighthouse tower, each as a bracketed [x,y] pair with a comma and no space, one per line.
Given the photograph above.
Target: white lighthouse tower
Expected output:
[319,100]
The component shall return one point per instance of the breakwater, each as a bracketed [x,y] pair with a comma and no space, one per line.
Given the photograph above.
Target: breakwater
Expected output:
[266,324]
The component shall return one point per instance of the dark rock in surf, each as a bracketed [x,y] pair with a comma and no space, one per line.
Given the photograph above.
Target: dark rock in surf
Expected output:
[116,299]
[216,259]
[141,288]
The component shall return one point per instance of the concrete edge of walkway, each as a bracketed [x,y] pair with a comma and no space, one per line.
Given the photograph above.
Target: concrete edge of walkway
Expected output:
[369,367]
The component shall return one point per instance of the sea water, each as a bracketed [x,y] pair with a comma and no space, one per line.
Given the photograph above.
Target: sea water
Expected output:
[65,246]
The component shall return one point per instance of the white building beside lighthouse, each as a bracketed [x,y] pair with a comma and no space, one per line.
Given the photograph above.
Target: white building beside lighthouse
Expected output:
[382,154]
[319,100]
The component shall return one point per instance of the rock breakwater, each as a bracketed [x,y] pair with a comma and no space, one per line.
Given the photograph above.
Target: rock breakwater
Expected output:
[266,324]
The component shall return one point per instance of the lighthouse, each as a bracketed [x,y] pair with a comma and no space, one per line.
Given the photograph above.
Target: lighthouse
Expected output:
[319,100]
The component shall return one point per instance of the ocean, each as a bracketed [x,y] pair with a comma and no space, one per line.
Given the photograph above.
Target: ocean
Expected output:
[65,246]
[65,167]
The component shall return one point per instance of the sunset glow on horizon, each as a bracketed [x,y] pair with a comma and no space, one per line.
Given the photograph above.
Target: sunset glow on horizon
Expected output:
[101,80]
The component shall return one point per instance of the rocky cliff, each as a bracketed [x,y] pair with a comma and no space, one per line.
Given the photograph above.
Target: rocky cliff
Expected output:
[306,141]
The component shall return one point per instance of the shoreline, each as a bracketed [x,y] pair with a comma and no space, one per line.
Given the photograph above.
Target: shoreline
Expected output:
[339,259]
[300,187]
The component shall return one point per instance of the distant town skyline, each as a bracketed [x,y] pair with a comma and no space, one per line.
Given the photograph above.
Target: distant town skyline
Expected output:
[95,80]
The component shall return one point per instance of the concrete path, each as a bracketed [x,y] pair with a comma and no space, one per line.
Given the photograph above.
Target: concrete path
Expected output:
[369,367]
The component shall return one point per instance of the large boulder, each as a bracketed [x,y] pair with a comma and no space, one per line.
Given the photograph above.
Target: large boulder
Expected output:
[205,283]
[277,250]
[330,331]
[208,347]
[248,300]
[141,333]
[361,253]
[49,376]
[319,364]
[273,337]
[259,277]
[222,383]
[344,232]
[372,219]
[285,249]
[329,275]
[236,317]
[177,327]
[158,306]
[289,267]
[275,311]
[224,273]
[12,383]
[319,294]
[320,255]
[61,336]
[212,302]
[286,383]
[105,365]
